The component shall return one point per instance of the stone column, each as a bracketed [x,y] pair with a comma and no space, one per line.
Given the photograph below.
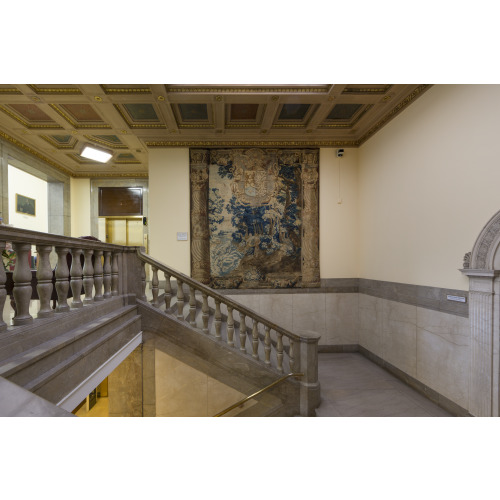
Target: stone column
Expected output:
[310,220]
[200,236]
[306,362]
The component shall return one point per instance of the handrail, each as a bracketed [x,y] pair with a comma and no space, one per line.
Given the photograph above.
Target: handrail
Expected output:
[248,398]
[216,295]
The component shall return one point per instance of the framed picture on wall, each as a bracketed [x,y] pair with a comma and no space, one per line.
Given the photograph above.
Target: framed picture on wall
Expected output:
[25,205]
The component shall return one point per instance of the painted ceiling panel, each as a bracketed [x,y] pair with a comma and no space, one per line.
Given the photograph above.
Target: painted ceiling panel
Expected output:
[31,112]
[141,112]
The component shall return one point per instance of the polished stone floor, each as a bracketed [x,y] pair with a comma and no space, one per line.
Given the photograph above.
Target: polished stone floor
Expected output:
[353,386]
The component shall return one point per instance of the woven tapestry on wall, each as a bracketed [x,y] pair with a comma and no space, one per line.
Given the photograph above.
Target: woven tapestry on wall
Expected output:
[254,218]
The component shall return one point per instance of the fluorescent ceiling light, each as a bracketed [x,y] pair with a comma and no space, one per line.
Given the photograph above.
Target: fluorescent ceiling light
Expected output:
[92,153]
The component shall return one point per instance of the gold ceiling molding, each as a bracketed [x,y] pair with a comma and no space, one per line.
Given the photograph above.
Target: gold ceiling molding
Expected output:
[131,90]
[197,125]
[134,125]
[251,90]
[242,125]
[222,144]
[26,124]
[327,124]
[405,102]
[98,175]
[102,142]
[10,91]
[363,90]
[58,145]
[75,124]
[36,154]
[54,91]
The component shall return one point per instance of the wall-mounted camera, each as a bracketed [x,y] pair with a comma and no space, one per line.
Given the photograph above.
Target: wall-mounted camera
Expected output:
[340,153]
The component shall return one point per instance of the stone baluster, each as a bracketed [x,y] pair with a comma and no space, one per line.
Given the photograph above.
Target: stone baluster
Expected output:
[279,352]
[3,291]
[44,281]
[98,276]
[107,274]
[76,273]
[267,343]
[114,274]
[243,333]
[62,283]
[205,313]
[180,300]
[192,307]
[155,286]
[22,284]
[88,276]
[291,354]
[218,320]
[143,281]
[230,327]
[168,291]
[255,340]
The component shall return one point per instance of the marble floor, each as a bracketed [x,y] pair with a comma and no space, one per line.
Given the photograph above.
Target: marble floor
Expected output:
[353,386]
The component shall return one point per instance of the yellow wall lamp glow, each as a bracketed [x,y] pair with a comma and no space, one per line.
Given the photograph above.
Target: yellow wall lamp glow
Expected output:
[96,154]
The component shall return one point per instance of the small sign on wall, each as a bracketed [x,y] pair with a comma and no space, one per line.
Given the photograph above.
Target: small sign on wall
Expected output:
[455,298]
[182,236]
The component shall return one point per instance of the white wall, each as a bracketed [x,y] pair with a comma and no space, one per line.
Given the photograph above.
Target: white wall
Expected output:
[428,182]
[169,206]
[80,207]
[28,185]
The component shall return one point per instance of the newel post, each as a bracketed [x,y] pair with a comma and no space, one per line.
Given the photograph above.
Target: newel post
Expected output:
[306,362]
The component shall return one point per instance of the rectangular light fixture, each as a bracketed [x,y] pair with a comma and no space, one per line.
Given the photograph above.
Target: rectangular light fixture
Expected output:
[97,154]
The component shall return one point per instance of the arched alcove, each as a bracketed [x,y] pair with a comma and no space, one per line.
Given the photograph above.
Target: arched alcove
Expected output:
[482,266]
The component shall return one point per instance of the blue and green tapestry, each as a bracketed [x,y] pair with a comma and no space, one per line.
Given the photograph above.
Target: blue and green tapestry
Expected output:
[255,217]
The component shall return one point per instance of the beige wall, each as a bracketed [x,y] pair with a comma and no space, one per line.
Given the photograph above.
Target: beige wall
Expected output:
[28,185]
[338,222]
[80,207]
[169,205]
[428,183]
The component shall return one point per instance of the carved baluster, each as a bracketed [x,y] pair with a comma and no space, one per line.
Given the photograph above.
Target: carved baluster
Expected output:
[76,282]
[180,299]
[88,276]
[218,320]
[205,310]
[44,281]
[243,333]
[155,286]
[143,281]
[62,283]
[98,277]
[255,340]
[114,274]
[292,355]
[267,343]
[168,291]
[230,326]
[279,351]
[107,274]
[3,291]
[192,307]
[22,284]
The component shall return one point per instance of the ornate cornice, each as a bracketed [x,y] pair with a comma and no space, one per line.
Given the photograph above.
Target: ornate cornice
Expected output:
[403,104]
[10,91]
[223,144]
[369,91]
[54,91]
[130,90]
[316,89]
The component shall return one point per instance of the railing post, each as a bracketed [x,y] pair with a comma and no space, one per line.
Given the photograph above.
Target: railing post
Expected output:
[22,284]
[218,320]
[88,276]
[192,307]
[98,276]
[143,281]
[107,275]
[267,343]
[306,361]
[180,300]
[255,340]
[230,326]
[62,283]
[154,285]
[168,291]
[243,333]
[205,313]
[114,274]
[279,352]
[76,282]
[44,281]
[3,291]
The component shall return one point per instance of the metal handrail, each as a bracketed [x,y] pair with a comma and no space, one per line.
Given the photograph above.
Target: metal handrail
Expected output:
[248,398]
[215,295]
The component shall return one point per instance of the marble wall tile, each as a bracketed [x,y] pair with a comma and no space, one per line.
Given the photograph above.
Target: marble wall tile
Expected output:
[341,319]
[443,354]
[370,323]
[399,335]
[277,308]
[309,313]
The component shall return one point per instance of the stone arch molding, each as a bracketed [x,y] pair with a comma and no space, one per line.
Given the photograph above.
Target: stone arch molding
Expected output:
[482,267]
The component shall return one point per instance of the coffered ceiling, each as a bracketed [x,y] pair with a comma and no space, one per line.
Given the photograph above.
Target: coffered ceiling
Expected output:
[53,122]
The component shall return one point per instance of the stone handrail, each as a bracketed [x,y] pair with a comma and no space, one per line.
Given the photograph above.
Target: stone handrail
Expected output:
[303,346]
[102,275]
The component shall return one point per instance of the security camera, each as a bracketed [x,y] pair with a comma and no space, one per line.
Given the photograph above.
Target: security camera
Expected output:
[340,153]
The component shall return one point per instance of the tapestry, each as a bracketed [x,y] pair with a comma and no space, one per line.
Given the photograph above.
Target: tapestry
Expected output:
[257,202]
